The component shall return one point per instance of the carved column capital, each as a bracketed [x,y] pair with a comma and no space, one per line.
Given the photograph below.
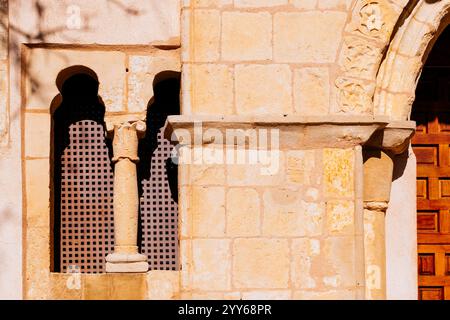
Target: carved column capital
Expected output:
[126,257]
[126,137]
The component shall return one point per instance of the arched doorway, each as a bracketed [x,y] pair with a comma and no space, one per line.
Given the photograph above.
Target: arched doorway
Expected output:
[431,111]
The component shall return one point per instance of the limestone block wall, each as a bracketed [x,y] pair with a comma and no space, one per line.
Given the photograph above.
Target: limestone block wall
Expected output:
[126,43]
[284,56]
[294,58]
[126,76]
[294,234]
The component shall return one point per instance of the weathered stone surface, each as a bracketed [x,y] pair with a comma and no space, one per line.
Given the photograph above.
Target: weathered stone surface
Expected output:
[267,295]
[109,67]
[37,262]
[335,4]
[375,250]
[338,172]
[128,286]
[341,217]
[312,91]
[209,89]
[360,58]
[64,286]
[320,264]
[301,37]
[338,262]
[211,260]
[211,295]
[270,173]
[203,35]
[203,175]
[261,263]
[102,21]
[37,186]
[207,3]
[304,252]
[325,295]
[297,132]
[4,102]
[259,3]
[97,287]
[302,167]
[243,212]
[141,76]
[285,214]
[208,211]
[378,170]
[252,29]
[263,89]
[37,135]
[304,4]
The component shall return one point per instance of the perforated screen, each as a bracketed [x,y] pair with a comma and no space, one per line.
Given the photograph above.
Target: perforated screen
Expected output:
[159,211]
[86,199]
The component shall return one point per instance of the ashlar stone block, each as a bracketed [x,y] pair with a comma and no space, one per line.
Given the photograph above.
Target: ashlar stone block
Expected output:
[243,212]
[211,265]
[261,263]
[208,211]
[338,172]
[263,89]
[303,38]
[246,36]
[285,214]
[312,91]
[209,89]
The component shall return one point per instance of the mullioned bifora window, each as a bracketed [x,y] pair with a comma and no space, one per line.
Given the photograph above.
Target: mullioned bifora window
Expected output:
[158,181]
[83,180]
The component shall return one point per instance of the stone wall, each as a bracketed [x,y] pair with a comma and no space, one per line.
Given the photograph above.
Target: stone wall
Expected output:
[295,233]
[288,235]
[294,57]
[44,37]
[315,59]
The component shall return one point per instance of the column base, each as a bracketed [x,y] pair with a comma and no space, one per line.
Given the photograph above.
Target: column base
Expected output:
[126,263]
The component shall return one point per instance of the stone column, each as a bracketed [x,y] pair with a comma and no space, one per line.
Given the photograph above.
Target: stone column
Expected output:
[378,168]
[126,257]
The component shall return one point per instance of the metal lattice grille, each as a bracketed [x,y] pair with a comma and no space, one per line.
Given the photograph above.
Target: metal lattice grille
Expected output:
[159,212]
[86,196]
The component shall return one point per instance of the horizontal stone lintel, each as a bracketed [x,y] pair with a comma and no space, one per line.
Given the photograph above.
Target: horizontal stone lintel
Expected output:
[295,132]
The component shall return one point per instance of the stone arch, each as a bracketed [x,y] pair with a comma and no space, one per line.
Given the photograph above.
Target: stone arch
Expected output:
[366,36]
[406,55]
[66,74]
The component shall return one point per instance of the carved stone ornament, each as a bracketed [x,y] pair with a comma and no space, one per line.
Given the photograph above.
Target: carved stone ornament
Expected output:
[371,19]
[353,97]
[359,58]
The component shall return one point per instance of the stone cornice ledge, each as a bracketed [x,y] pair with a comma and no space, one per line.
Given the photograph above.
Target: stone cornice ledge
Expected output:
[299,132]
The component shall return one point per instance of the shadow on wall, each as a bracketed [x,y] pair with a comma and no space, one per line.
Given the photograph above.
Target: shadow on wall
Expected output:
[6,219]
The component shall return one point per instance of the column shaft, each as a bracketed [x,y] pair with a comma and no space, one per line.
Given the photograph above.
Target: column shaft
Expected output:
[126,257]
[378,170]
[125,205]
[375,250]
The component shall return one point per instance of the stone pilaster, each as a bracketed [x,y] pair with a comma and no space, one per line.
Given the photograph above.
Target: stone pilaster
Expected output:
[126,257]
[378,168]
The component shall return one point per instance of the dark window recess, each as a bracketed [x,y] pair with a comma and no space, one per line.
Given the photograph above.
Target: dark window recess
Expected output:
[83,180]
[158,175]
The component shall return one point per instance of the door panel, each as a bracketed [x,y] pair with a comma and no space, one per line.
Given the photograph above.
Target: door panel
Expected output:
[431,147]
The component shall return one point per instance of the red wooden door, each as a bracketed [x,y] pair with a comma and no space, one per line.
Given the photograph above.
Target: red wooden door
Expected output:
[431,147]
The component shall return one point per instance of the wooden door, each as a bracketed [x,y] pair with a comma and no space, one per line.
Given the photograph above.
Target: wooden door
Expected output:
[431,143]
